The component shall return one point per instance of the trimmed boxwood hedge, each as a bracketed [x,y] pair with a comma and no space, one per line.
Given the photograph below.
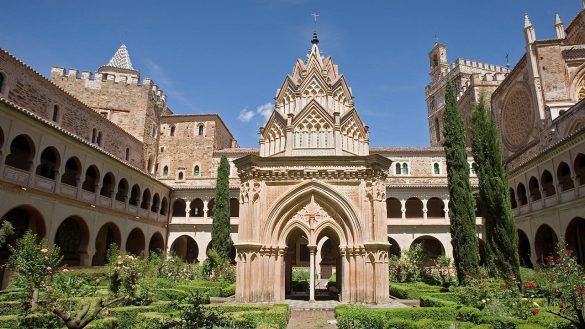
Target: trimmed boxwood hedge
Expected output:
[412,290]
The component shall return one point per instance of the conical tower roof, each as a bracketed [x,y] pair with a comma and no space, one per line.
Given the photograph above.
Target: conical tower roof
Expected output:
[121,59]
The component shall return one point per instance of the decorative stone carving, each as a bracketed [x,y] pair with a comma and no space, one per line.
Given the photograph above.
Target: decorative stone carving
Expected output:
[250,191]
[517,118]
[376,190]
[312,213]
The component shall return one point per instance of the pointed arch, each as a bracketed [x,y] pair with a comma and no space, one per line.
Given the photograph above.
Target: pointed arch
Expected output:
[345,223]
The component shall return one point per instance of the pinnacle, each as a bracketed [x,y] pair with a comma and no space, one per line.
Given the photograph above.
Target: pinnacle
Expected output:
[121,59]
[527,22]
[558,19]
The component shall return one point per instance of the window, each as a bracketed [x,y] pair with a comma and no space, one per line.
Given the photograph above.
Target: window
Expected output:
[472,169]
[99,139]
[405,169]
[55,113]
[200,130]
[93,135]
[153,131]
[181,175]
[437,130]
[1,82]
[398,169]
[165,171]
[172,131]
[162,149]
[127,154]
[436,168]
[196,171]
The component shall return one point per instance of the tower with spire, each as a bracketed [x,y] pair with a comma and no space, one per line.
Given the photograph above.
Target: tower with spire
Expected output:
[314,112]
[117,92]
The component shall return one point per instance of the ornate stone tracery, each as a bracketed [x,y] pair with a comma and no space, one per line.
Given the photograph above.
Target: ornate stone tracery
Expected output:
[517,118]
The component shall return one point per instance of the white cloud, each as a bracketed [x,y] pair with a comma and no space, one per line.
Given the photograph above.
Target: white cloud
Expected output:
[265,110]
[246,115]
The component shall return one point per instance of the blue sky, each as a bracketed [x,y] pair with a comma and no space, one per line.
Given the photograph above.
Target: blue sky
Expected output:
[229,57]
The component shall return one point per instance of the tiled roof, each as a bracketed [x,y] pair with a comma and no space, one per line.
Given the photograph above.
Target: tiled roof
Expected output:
[121,59]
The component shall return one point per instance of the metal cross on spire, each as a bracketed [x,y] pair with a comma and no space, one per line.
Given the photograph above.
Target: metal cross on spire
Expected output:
[315,15]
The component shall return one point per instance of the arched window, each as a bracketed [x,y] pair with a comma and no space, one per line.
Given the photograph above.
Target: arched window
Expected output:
[564,177]
[436,169]
[1,82]
[521,191]
[172,131]
[108,184]
[99,139]
[180,175]
[405,168]
[200,130]
[92,177]
[49,165]
[548,186]
[22,152]
[579,166]
[72,172]
[55,113]
[93,135]
[534,189]
[473,169]
[398,169]
[134,195]
[127,154]
[165,171]
[196,171]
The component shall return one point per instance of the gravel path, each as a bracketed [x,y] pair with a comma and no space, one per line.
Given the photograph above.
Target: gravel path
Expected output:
[301,319]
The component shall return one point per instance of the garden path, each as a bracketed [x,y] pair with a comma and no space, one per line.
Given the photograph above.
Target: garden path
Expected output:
[300,319]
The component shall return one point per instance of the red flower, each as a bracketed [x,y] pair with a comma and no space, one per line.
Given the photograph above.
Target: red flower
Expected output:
[529,285]
[466,273]
[505,286]
[559,261]
[535,311]
[568,251]
[550,259]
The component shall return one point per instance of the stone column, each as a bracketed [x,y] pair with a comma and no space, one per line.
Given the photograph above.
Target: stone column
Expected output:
[187,209]
[205,202]
[312,251]
[425,209]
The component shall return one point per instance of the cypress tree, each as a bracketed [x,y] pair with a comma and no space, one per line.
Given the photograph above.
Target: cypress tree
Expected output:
[461,203]
[221,240]
[501,235]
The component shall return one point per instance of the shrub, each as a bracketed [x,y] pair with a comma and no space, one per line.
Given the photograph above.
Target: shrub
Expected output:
[409,267]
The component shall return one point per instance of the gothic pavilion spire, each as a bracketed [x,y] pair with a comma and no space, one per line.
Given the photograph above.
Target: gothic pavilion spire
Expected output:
[121,59]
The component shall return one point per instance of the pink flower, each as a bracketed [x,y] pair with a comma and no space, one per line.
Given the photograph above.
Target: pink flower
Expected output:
[568,251]
[505,286]
[65,270]
[44,250]
[49,268]
[529,285]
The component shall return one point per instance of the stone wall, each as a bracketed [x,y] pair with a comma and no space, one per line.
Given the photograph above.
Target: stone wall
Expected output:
[31,91]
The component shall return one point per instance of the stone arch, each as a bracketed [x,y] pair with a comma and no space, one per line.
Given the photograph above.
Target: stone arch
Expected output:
[575,238]
[432,246]
[122,193]
[435,208]
[72,237]
[524,250]
[534,189]
[145,204]
[343,219]
[564,177]
[546,242]
[186,248]
[513,203]
[521,191]
[155,203]
[196,208]
[579,167]
[234,207]
[548,185]
[394,249]
[414,208]
[393,208]
[92,179]
[108,185]
[164,205]
[22,152]
[210,206]
[134,195]
[156,244]
[72,172]
[108,234]
[135,243]
[179,208]
[49,163]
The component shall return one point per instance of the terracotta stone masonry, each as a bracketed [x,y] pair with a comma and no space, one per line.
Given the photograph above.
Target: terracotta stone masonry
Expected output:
[98,157]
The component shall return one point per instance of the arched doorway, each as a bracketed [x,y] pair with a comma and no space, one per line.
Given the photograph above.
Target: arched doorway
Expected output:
[297,261]
[156,244]
[72,172]
[186,248]
[23,218]
[179,208]
[432,246]
[394,249]
[575,238]
[524,249]
[135,242]
[414,208]
[435,208]
[49,166]
[72,237]
[546,242]
[22,152]
[393,208]
[108,234]
[196,208]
